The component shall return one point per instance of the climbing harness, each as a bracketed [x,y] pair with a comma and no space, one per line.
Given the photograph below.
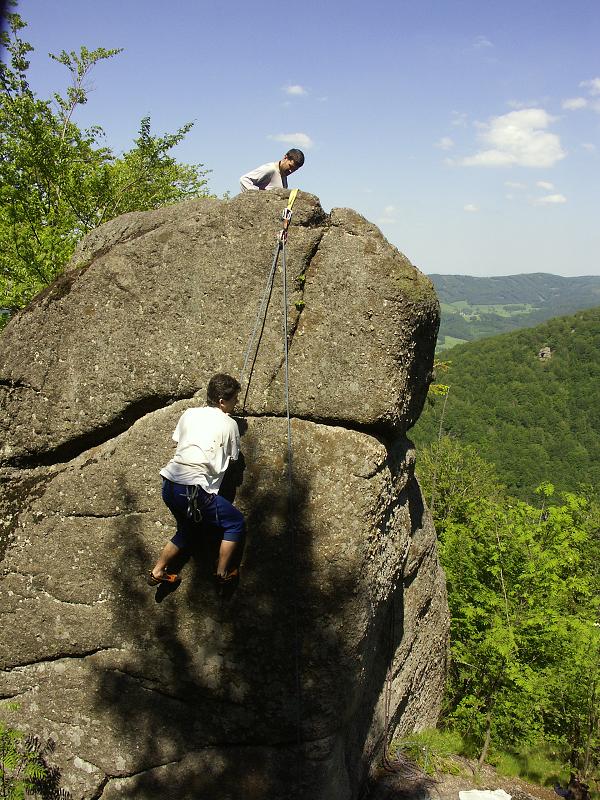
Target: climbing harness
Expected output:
[195,506]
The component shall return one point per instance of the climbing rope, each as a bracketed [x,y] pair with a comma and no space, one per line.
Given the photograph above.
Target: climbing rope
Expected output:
[261,314]
[389,680]
[260,319]
[292,517]
[252,348]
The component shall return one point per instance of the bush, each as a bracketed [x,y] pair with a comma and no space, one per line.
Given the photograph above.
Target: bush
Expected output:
[24,771]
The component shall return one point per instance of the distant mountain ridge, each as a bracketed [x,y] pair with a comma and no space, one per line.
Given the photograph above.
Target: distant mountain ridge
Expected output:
[534,288]
[475,307]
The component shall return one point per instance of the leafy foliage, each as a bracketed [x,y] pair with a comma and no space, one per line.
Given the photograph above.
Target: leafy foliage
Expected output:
[524,594]
[452,475]
[58,182]
[24,771]
[535,420]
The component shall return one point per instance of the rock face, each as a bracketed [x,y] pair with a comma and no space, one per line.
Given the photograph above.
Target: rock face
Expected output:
[337,634]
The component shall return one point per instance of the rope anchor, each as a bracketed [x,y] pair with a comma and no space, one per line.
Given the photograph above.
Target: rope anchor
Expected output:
[286,216]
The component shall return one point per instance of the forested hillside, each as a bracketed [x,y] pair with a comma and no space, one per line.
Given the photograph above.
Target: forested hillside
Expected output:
[508,456]
[473,308]
[535,419]
[537,288]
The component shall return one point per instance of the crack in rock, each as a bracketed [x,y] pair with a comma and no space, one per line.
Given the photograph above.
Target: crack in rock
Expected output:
[18,384]
[94,604]
[87,260]
[149,685]
[62,657]
[293,327]
[101,787]
[129,775]
[39,591]
[119,514]
[72,449]
[7,696]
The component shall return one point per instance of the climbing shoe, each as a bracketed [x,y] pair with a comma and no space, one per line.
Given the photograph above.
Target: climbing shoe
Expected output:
[166,577]
[225,585]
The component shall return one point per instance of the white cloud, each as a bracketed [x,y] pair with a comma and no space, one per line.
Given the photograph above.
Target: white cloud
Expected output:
[551,199]
[470,207]
[445,143]
[591,148]
[389,216]
[297,139]
[515,185]
[518,105]
[518,138]
[593,86]
[574,103]
[459,119]
[482,42]
[295,89]
[545,185]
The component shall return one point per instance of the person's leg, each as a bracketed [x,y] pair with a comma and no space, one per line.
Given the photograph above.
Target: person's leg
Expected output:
[167,554]
[226,551]
[231,521]
[176,500]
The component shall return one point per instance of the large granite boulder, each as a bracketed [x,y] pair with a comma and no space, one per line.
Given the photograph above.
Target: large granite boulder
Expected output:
[336,636]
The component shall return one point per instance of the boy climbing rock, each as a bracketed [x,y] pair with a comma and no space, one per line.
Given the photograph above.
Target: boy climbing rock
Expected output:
[207,440]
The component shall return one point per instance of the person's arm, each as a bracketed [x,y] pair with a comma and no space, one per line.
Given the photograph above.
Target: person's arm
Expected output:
[257,179]
[232,449]
[177,432]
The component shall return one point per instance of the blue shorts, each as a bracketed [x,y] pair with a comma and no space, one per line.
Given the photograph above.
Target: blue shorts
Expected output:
[191,513]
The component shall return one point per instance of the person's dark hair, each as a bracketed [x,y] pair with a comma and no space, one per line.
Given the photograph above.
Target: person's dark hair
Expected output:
[297,156]
[221,387]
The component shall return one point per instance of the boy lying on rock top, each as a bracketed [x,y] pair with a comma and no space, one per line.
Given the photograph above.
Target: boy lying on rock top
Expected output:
[207,440]
[273,175]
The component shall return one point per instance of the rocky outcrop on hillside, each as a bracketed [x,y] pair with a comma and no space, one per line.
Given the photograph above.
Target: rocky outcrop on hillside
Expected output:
[337,633]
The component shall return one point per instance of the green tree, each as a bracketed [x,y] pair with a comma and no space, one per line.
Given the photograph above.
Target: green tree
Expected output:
[24,771]
[523,590]
[452,474]
[57,182]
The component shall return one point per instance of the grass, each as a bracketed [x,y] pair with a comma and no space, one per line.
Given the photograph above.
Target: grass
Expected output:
[537,764]
[432,750]
[500,309]
[450,341]
[435,751]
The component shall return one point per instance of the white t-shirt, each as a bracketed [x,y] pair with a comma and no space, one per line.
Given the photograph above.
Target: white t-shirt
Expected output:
[266,176]
[207,440]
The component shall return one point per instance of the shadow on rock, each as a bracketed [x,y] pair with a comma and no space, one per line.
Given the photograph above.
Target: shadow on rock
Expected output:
[267,693]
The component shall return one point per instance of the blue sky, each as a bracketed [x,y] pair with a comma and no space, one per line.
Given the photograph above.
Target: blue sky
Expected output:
[468,130]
